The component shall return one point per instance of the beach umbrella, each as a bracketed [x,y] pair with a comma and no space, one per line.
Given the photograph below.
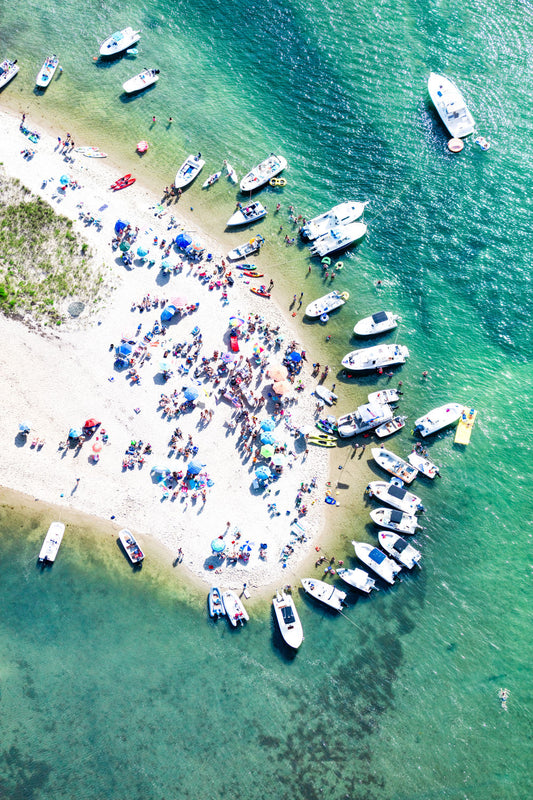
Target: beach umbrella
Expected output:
[91,423]
[165,365]
[278,459]
[281,387]
[257,349]
[235,322]
[268,438]
[124,246]
[267,451]
[167,313]
[64,179]
[178,302]
[74,433]
[97,447]
[218,545]
[268,425]
[195,467]
[263,473]
[277,372]
[190,393]
[160,471]
[228,357]
[124,350]
[142,252]
[166,265]
[120,224]
[305,430]
[142,147]
[296,357]
[24,427]
[183,241]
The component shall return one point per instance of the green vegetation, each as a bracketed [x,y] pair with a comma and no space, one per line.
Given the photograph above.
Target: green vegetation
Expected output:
[44,264]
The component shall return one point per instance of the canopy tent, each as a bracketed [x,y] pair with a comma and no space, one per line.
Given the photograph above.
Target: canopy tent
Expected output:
[120,224]
[123,349]
[91,423]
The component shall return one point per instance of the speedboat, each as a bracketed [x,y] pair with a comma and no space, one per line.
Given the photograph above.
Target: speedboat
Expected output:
[395,520]
[358,578]
[288,620]
[188,171]
[119,41]
[246,214]
[364,419]
[320,590]
[391,427]
[235,609]
[338,238]
[392,463]
[8,70]
[216,606]
[341,214]
[378,357]
[260,175]
[247,249]
[439,418]
[380,322]
[132,549]
[451,106]
[423,464]
[396,496]
[398,548]
[47,72]
[384,396]
[141,81]
[51,543]
[377,561]
[326,304]
[211,180]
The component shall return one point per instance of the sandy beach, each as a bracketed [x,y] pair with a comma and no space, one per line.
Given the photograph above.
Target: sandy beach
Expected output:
[57,378]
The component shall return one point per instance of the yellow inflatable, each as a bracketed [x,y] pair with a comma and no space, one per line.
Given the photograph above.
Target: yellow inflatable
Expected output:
[278,182]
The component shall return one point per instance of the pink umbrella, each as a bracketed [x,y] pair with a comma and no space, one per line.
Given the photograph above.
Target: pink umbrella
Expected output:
[97,447]
[281,387]
[277,371]
[178,301]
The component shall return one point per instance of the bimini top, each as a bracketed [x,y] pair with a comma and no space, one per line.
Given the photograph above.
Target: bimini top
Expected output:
[377,556]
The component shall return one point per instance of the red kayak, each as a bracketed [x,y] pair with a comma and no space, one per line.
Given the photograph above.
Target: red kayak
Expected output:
[262,291]
[124,184]
[253,274]
[121,182]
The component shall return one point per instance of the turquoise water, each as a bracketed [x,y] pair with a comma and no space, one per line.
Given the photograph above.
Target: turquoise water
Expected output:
[112,683]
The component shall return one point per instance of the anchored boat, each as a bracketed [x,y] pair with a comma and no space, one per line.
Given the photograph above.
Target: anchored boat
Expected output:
[380,356]
[52,542]
[47,71]
[8,70]
[398,548]
[131,548]
[392,463]
[262,173]
[451,106]
[357,578]
[395,520]
[364,418]
[216,606]
[380,322]
[329,595]
[141,81]
[338,238]
[246,214]
[235,609]
[396,496]
[188,170]
[288,620]
[326,304]
[377,561]
[339,215]
[119,41]
[438,418]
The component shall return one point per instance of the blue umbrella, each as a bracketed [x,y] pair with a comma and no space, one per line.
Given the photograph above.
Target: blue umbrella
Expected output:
[268,425]
[278,459]
[74,433]
[168,313]
[64,179]
[166,265]
[160,471]
[183,241]
[190,393]
[24,427]
[263,473]
[268,438]
[195,467]
[294,356]
[120,224]
[217,545]
[142,252]
[124,350]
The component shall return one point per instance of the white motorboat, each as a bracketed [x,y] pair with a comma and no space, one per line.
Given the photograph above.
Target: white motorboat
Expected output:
[398,548]
[364,418]
[439,418]
[396,496]
[341,214]
[391,427]
[132,549]
[329,595]
[119,41]
[216,606]
[211,180]
[380,322]
[392,463]
[46,73]
[235,609]
[232,175]
[188,170]
[384,396]
[423,464]
[247,249]
[326,395]
[380,356]
[451,106]
[260,175]
[358,578]
[246,214]
[338,238]
[288,620]
[8,70]
[395,520]
[51,543]
[377,561]
[326,304]
[141,81]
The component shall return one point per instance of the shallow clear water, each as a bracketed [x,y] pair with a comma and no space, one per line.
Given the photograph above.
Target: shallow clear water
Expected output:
[113,683]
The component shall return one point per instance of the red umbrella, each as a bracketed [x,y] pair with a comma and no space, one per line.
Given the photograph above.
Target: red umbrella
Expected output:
[91,423]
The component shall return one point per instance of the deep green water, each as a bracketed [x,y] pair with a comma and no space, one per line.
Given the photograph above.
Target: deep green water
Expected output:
[112,684]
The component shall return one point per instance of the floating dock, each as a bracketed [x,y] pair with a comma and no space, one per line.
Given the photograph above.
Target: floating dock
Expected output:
[464,428]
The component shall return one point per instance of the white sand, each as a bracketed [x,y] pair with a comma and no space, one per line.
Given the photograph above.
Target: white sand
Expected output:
[58,378]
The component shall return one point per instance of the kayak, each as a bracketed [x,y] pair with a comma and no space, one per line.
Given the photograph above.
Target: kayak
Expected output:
[123,183]
[329,425]
[121,180]
[251,274]
[247,267]
[322,442]
[262,292]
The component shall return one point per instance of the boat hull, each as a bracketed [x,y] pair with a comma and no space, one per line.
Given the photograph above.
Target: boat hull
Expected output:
[377,561]
[395,496]
[131,548]
[384,518]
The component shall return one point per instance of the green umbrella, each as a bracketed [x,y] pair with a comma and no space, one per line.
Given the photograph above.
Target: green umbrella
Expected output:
[267,451]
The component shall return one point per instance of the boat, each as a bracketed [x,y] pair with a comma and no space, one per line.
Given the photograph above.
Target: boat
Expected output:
[262,291]
[262,173]
[123,183]
[395,520]
[406,555]
[90,152]
[51,543]
[396,496]
[338,238]
[364,418]
[395,424]
[326,395]
[438,418]
[377,561]
[47,72]
[384,396]
[380,322]
[141,81]
[211,180]
[464,429]
[188,171]
[378,357]
[235,609]
[288,620]
[329,595]
[232,175]
[451,106]
[216,606]
[8,70]
[326,304]
[341,214]
[247,249]
[392,463]
[423,464]
[357,578]
[244,215]
[132,549]
[119,41]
